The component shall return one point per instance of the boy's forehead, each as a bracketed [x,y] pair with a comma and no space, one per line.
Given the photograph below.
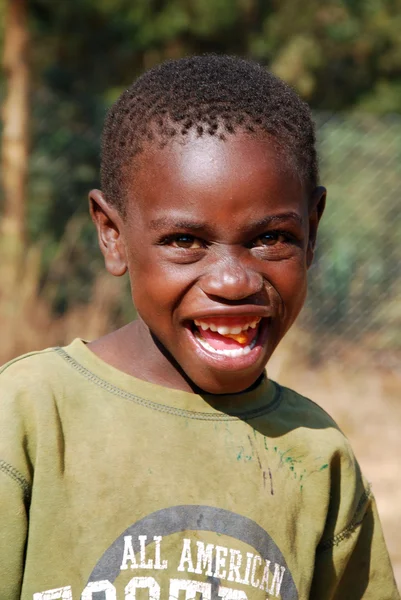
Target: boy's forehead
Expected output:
[201,167]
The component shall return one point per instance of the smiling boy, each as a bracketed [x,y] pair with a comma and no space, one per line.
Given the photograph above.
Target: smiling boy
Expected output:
[218,235]
[160,461]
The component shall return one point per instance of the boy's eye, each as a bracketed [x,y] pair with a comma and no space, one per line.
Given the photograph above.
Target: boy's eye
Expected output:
[185,241]
[269,239]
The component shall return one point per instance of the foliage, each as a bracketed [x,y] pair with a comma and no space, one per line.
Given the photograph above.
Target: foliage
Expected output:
[339,54]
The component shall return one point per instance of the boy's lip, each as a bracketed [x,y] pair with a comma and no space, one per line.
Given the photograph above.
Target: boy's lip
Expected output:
[230,363]
[235,312]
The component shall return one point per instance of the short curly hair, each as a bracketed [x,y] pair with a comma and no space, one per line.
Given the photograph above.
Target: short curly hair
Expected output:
[212,95]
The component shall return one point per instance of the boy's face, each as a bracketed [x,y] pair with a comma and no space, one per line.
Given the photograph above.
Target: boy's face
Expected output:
[217,241]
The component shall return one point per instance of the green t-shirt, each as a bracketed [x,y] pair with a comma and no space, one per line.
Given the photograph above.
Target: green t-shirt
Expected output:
[113,488]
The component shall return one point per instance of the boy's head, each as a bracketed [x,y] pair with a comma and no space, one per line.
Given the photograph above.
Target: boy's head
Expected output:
[214,96]
[210,201]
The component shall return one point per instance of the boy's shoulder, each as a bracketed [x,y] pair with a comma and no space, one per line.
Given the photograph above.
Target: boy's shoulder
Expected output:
[299,408]
[305,425]
[33,365]
[311,444]
[27,359]
[34,375]
[29,386]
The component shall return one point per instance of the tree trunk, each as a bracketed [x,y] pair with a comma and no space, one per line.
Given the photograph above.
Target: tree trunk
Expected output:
[14,165]
[14,152]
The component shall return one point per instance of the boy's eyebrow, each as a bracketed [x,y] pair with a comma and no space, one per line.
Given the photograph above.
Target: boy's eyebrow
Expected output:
[270,219]
[179,224]
[169,222]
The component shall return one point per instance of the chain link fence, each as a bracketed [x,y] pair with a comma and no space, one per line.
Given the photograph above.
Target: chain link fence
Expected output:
[355,282]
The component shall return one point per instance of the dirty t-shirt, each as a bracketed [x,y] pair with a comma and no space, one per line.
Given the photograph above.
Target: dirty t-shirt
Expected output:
[113,488]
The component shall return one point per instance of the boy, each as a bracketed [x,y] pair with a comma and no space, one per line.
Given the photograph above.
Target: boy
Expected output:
[159,461]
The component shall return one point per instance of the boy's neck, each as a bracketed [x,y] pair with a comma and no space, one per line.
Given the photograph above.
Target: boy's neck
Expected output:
[133,350]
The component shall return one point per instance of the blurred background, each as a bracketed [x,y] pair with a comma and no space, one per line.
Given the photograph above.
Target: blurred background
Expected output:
[64,63]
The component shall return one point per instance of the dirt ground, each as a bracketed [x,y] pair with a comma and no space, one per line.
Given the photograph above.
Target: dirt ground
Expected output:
[363,394]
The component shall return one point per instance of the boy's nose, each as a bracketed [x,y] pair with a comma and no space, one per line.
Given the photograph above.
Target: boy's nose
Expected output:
[231,280]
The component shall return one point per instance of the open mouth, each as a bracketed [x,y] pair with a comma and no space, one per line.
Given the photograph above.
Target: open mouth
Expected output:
[228,336]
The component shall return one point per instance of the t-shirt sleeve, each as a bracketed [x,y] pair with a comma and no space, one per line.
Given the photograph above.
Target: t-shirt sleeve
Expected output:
[351,557]
[15,481]
[353,564]
[14,498]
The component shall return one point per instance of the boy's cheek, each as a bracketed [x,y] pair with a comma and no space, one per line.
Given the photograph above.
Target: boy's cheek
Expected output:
[156,294]
[289,278]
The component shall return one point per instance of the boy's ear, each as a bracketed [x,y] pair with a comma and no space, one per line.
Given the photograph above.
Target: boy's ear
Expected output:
[317,203]
[108,224]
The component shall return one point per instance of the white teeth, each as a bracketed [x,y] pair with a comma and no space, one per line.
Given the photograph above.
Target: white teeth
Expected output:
[224,329]
[233,353]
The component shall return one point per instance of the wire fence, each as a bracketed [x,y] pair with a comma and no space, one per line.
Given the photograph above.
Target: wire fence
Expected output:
[355,282]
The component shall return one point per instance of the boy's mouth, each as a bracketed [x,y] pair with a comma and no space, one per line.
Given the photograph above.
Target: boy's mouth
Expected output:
[227,336]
